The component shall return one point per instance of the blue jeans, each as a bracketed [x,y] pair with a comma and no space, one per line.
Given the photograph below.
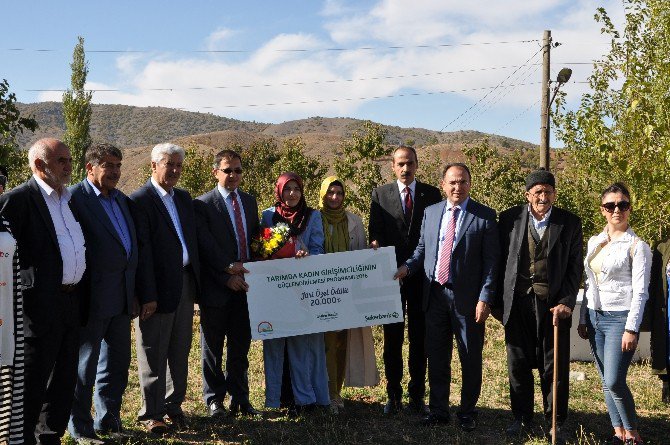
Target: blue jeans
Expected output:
[606,328]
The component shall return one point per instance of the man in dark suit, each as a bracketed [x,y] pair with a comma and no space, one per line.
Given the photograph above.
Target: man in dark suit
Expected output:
[230,218]
[458,252]
[541,251]
[168,279]
[395,219]
[53,261]
[104,343]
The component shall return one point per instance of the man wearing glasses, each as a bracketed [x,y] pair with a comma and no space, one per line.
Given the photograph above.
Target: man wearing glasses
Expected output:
[541,252]
[228,218]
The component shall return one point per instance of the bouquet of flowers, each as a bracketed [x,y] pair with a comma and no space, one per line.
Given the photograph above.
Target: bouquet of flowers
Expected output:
[271,240]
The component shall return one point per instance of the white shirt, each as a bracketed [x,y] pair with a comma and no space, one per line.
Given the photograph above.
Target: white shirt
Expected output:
[168,200]
[446,216]
[540,224]
[623,284]
[68,232]
[225,193]
[402,190]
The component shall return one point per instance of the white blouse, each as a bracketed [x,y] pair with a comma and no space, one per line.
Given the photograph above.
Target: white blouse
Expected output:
[623,282]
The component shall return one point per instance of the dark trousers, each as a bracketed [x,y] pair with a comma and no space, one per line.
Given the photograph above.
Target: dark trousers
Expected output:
[394,336]
[229,324]
[443,323]
[529,339]
[51,373]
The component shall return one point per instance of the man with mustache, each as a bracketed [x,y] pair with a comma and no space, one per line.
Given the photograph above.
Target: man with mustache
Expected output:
[104,343]
[541,248]
[51,244]
[395,220]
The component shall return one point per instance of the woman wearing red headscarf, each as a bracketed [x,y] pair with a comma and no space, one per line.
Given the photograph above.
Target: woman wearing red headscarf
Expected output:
[305,353]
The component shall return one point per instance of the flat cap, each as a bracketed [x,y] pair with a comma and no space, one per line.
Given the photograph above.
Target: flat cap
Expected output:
[540,176]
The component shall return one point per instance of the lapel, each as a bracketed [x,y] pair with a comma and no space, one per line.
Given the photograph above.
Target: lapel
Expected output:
[94,205]
[468,217]
[158,201]
[396,206]
[248,205]
[36,194]
[554,229]
[519,231]
[123,204]
[221,207]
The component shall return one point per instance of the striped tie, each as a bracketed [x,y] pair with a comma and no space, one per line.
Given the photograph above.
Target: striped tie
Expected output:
[241,236]
[447,246]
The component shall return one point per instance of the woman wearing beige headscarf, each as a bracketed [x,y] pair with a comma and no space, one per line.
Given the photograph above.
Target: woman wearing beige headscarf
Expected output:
[350,354]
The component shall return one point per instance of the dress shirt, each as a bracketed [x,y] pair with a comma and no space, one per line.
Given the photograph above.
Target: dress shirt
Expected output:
[446,216]
[68,232]
[113,210]
[168,200]
[620,285]
[540,224]
[229,206]
[401,189]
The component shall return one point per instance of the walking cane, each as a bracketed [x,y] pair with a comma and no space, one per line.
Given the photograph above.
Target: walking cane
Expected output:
[554,384]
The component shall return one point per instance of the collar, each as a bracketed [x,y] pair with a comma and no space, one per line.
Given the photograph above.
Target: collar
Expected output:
[112,193]
[412,187]
[161,190]
[462,205]
[50,190]
[543,220]
[626,237]
[225,192]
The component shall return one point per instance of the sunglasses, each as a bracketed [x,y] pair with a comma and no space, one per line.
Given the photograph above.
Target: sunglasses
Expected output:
[622,205]
[228,171]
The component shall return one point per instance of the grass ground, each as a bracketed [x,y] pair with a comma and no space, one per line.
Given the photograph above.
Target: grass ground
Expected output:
[362,421]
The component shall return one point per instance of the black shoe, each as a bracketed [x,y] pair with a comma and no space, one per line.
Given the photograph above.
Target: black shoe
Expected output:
[418,406]
[216,409]
[468,423]
[177,421]
[393,406]
[561,438]
[665,392]
[517,427]
[435,419]
[244,409]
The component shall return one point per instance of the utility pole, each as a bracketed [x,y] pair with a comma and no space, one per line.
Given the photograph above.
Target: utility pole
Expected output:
[544,112]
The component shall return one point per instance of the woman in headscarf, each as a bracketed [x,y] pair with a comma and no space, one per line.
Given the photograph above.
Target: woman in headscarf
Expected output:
[305,353]
[350,353]
[11,340]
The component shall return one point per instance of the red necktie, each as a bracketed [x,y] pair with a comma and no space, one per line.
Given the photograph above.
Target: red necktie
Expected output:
[241,236]
[408,202]
[447,245]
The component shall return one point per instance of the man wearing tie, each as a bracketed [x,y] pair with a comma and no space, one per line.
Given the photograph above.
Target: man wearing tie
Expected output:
[458,250]
[104,344]
[168,278]
[53,260]
[395,218]
[228,218]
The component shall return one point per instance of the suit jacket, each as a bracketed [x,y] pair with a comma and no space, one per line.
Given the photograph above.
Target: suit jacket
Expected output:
[110,273]
[387,219]
[218,233]
[474,260]
[159,272]
[564,261]
[41,262]
[658,296]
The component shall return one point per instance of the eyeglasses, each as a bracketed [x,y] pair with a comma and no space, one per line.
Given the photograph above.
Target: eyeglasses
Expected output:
[230,171]
[622,205]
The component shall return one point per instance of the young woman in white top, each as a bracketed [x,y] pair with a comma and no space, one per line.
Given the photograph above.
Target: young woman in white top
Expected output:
[618,266]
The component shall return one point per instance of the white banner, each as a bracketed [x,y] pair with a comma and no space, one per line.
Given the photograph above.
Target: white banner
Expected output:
[321,293]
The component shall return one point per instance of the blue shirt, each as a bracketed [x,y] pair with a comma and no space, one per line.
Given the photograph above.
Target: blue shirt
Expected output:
[113,211]
[168,200]
[228,199]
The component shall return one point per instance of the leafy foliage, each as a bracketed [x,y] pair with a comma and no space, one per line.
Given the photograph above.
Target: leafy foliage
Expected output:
[621,131]
[11,125]
[77,112]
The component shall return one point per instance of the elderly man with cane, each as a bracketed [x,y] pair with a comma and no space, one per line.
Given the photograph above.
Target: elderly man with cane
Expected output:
[541,251]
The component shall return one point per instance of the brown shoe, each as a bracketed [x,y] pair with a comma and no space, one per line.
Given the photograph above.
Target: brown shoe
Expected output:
[177,421]
[154,426]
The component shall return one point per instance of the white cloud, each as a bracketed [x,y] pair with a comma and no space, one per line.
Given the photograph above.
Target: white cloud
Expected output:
[215,41]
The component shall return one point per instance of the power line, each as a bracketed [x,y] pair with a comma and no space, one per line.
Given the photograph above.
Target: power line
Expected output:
[233,51]
[315,82]
[506,124]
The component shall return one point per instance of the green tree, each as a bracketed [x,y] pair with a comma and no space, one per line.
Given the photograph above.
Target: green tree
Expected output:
[359,166]
[77,112]
[196,175]
[621,130]
[11,124]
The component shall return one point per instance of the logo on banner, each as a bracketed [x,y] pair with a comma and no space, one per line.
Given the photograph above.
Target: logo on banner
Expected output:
[265,327]
[327,316]
[390,315]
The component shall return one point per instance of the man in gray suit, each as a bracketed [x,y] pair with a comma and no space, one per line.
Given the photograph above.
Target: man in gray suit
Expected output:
[104,343]
[542,263]
[459,251]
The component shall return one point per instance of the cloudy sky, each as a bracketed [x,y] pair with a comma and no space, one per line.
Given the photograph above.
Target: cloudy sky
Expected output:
[438,64]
